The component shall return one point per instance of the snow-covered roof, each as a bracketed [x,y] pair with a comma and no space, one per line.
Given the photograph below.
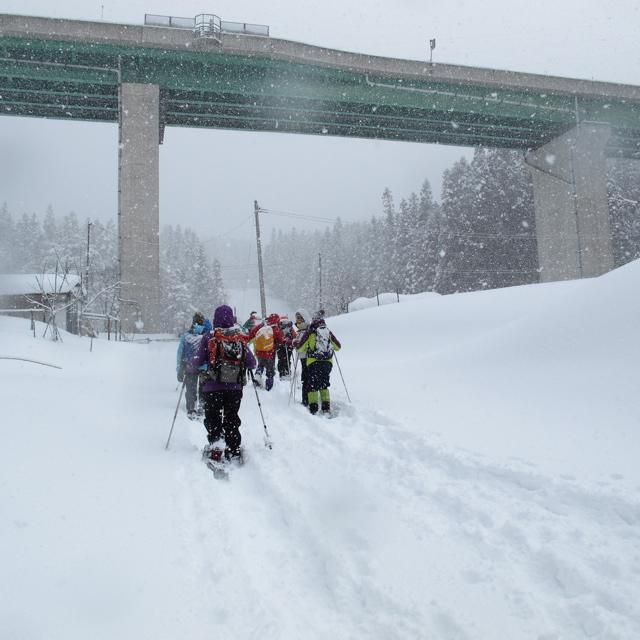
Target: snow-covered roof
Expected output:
[15,284]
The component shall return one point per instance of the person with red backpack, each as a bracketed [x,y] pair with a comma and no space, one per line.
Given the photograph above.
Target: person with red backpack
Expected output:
[267,337]
[225,350]
[318,345]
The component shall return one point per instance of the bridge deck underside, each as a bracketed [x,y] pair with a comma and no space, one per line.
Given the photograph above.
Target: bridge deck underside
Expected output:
[67,80]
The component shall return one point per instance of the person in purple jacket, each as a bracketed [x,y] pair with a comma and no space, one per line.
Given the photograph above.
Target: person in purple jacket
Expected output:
[225,350]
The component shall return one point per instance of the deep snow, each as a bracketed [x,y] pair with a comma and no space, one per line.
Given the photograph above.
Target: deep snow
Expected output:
[483,483]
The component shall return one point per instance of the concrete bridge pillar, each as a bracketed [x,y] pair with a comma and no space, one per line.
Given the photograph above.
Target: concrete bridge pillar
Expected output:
[138,207]
[572,211]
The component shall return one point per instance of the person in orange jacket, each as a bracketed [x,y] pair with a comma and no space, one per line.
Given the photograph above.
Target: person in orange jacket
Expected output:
[266,337]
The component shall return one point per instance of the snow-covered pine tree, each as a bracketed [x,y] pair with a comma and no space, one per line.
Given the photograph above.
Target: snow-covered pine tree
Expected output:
[7,240]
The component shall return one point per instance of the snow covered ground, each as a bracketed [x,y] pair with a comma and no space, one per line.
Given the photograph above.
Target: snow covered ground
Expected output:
[482,484]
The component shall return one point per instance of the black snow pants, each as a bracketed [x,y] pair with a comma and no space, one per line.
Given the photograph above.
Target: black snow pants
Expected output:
[284,360]
[221,418]
[305,381]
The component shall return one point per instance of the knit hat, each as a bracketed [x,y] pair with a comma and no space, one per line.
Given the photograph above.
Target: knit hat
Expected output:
[198,318]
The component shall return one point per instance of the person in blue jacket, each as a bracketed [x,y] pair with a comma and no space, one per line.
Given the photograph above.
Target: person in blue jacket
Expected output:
[186,371]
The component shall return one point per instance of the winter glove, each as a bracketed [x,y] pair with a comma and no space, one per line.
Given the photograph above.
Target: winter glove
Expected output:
[180,375]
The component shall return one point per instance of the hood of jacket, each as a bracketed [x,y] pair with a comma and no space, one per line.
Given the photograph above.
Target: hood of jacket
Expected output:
[306,316]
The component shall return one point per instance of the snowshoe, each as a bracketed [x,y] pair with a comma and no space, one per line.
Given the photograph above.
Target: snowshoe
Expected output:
[220,459]
[213,457]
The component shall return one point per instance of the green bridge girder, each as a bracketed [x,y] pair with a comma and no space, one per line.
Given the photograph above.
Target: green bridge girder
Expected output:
[78,79]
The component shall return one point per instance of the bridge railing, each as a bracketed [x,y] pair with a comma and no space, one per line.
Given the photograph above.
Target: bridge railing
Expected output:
[153,20]
[245,27]
[206,25]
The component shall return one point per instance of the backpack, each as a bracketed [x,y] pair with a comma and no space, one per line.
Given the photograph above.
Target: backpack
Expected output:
[287,328]
[322,349]
[264,339]
[227,350]
[191,344]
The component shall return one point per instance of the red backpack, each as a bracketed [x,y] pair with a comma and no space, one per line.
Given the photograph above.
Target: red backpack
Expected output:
[227,350]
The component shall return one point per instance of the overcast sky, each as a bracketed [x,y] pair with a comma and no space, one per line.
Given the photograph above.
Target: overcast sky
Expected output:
[210,178]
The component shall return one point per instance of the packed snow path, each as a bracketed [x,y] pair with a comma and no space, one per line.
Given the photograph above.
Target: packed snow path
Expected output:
[367,529]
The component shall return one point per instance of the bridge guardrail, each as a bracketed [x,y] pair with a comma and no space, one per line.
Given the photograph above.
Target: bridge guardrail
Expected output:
[153,20]
[206,25]
[245,28]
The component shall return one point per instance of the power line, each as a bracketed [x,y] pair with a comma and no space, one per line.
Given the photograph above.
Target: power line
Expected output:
[502,236]
[302,216]
[246,267]
[490,271]
[228,231]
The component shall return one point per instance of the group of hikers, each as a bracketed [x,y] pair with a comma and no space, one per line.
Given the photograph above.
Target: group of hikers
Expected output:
[214,360]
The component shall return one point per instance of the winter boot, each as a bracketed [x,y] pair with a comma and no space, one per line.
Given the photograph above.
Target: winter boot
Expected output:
[233,455]
[326,406]
[313,408]
[269,384]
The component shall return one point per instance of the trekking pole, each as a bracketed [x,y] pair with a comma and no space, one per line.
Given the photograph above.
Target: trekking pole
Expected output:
[267,439]
[292,391]
[166,446]
[335,355]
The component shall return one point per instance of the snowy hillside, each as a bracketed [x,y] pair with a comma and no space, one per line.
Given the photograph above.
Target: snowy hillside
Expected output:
[483,484]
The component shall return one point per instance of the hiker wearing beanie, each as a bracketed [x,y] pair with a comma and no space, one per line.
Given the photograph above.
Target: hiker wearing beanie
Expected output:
[186,371]
[303,319]
[319,345]
[225,351]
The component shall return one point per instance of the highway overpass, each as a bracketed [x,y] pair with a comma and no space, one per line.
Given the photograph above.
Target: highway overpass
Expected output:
[146,78]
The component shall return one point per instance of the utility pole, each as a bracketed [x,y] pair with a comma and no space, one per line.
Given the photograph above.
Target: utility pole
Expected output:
[319,281]
[87,267]
[84,294]
[263,303]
